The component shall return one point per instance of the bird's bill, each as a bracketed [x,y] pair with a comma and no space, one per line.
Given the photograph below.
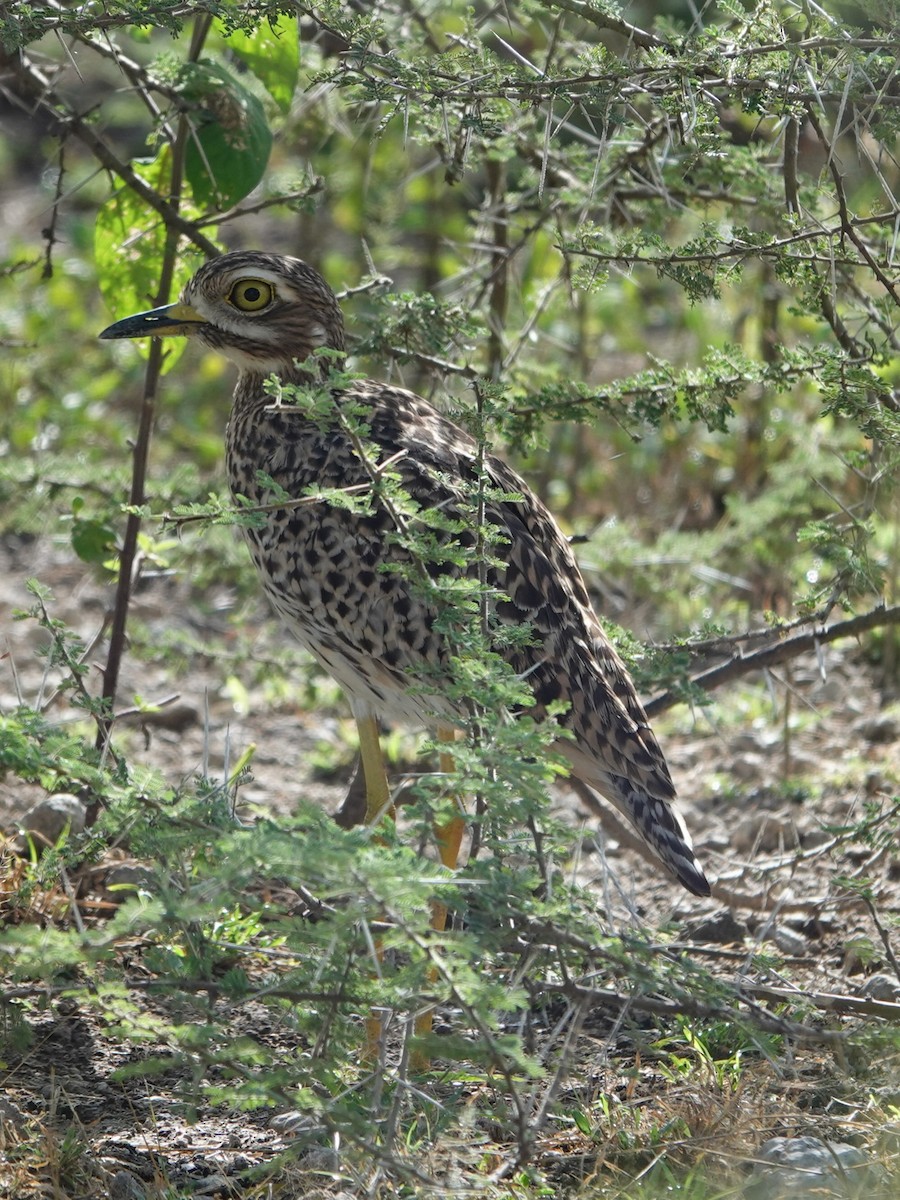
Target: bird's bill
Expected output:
[172,320]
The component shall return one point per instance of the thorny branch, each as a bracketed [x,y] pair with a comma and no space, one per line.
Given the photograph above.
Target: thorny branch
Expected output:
[33,85]
[784,649]
[686,1005]
[231,514]
[603,19]
[739,249]
[849,225]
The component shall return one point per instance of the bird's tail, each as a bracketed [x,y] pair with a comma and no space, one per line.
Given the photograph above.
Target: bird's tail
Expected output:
[660,824]
[655,817]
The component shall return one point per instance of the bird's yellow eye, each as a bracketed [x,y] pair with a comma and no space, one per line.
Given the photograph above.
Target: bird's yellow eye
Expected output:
[250,295]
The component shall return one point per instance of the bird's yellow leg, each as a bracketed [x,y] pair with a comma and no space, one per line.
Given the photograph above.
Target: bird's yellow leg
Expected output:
[449,839]
[378,791]
[448,836]
[378,804]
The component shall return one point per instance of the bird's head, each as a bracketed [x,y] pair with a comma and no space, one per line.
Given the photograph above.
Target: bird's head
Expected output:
[263,311]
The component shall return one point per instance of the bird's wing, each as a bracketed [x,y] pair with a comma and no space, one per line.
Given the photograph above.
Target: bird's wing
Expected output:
[347,589]
[570,658]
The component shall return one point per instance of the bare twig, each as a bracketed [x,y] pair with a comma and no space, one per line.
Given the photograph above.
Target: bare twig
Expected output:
[782,651]
[34,85]
[882,933]
[602,18]
[128,553]
[848,227]
[739,249]
[791,183]
[827,1002]
[685,1005]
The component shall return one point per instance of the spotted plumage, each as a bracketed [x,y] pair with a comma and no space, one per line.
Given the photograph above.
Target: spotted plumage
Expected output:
[323,566]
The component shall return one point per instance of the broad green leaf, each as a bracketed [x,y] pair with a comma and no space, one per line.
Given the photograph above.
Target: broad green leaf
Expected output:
[129,243]
[93,541]
[229,143]
[272,52]
[129,239]
[583,1122]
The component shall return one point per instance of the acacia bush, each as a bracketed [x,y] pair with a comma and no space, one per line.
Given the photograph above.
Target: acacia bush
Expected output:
[652,260]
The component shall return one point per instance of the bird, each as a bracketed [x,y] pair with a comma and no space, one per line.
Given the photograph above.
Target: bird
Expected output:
[340,579]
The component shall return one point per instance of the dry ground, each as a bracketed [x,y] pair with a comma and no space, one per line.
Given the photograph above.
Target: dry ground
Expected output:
[764,804]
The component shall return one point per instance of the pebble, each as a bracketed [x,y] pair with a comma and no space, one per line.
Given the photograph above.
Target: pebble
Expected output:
[721,929]
[291,1123]
[882,987]
[882,728]
[747,767]
[834,690]
[789,941]
[212,1184]
[125,1186]
[10,1113]
[46,821]
[809,1167]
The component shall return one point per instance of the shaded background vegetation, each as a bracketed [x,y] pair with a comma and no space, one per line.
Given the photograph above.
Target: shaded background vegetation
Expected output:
[679,249]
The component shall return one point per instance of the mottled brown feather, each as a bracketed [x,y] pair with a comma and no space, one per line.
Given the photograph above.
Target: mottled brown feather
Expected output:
[322,566]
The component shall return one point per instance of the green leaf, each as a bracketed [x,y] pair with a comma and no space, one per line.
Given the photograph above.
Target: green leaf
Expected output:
[129,238]
[272,53]
[583,1123]
[93,541]
[129,243]
[229,144]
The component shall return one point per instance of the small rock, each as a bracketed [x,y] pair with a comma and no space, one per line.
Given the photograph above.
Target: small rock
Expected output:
[753,743]
[764,832]
[125,1186]
[884,727]
[46,821]
[747,767]
[319,1160]
[803,764]
[834,690]
[882,987]
[292,1123]
[876,781]
[788,941]
[10,1113]
[816,837]
[720,929]
[213,1184]
[808,1167]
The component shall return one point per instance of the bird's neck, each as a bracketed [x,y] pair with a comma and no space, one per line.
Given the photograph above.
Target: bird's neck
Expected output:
[253,391]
